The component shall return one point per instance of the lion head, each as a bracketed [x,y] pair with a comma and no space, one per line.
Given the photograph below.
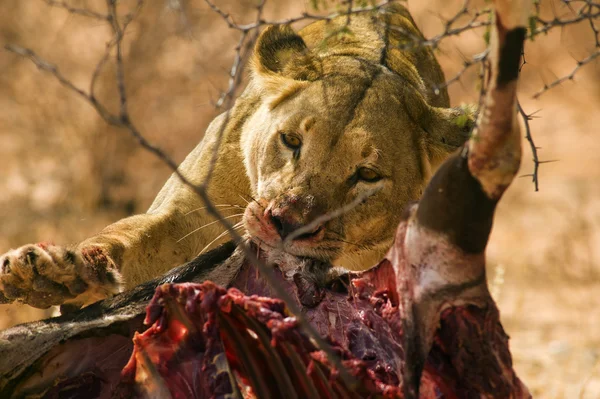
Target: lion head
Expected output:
[346,131]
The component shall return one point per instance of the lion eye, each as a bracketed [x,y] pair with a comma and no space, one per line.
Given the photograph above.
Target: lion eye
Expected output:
[291,141]
[368,175]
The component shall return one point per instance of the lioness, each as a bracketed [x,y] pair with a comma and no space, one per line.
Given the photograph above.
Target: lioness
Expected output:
[342,109]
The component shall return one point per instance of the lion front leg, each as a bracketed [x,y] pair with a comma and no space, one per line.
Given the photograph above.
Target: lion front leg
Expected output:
[138,248]
[124,254]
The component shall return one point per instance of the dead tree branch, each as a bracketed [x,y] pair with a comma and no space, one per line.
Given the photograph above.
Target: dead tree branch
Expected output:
[536,162]
[75,10]
[571,75]
[578,12]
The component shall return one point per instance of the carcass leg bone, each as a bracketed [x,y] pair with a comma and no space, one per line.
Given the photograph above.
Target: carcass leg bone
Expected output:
[439,256]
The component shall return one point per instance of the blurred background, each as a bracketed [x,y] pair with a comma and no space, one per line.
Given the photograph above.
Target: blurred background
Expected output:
[65,174]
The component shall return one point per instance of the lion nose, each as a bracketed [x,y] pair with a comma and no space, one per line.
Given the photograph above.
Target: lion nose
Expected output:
[285,222]
[288,213]
[284,227]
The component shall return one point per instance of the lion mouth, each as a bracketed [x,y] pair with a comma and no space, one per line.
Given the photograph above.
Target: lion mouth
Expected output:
[314,234]
[288,233]
[268,232]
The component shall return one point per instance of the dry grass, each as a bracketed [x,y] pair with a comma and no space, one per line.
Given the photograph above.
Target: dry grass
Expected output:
[65,175]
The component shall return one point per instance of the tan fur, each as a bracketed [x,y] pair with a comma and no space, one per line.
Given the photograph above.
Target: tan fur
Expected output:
[357,95]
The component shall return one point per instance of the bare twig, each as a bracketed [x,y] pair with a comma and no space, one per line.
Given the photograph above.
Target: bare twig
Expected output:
[536,162]
[79,11]
[235,74]
[241,52]
[478,19]
[349,12]
[570,76]
[288,21]
[585,13]
[478,59]
[579,11]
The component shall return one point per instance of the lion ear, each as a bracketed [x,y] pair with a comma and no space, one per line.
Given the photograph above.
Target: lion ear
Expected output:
[275,48]
[447,130]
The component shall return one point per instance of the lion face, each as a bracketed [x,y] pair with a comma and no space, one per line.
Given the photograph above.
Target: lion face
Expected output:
[334,158]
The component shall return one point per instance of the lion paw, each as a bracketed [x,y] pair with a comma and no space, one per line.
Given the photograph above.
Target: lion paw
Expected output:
[43,275]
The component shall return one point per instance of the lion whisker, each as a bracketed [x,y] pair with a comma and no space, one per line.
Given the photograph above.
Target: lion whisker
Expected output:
[244,199]
[364,246]
[249,196]
[252,198]
[236,226]
[231,206]
[208,224]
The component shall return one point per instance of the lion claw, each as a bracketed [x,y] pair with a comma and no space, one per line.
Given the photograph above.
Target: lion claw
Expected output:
[43,275]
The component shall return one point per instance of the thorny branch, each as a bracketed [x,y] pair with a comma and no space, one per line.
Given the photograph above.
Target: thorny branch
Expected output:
[588,11]
[477,60]
[305,16]
[536,162]
[74,10]
[578,11]
[476,19]
[571,75]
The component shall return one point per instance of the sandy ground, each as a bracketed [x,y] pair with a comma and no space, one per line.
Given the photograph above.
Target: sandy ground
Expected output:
[64,175]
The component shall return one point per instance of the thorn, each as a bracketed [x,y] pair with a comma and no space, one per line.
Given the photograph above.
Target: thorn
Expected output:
[550,161]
